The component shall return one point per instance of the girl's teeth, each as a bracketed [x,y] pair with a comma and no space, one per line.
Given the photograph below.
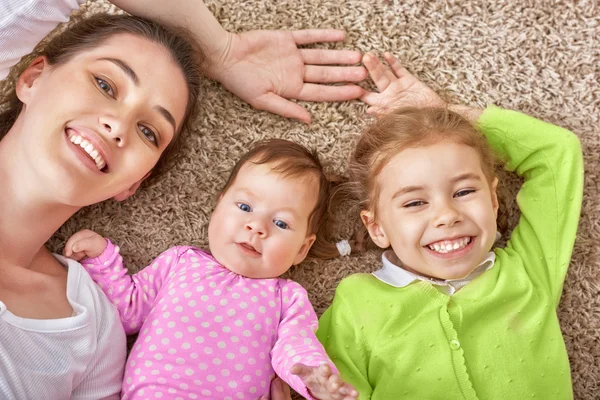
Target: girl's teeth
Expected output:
[447,247]
[77,140]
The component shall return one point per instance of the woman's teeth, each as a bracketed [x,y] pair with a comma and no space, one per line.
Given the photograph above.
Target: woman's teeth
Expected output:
[89,148]
[446,246]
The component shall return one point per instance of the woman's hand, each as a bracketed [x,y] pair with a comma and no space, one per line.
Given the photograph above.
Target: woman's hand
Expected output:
[279,390]
[397,87]
[84,244]
[323,384]
[266,68]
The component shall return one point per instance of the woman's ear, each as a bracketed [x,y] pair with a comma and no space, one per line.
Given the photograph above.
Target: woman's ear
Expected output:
[125,194]
[375,230]
[25,86]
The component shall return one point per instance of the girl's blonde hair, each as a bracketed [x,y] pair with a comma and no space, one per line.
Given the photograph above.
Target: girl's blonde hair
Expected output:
[403,128]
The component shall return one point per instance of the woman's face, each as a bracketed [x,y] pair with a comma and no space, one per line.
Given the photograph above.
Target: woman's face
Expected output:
[93,127]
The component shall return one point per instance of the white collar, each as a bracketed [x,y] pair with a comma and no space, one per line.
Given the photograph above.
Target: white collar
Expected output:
[394,275]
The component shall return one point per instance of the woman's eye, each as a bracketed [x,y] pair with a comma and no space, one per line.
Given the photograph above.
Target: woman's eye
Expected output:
[105,86]
[416,203]
[280,224]
[149,134]
[464,192]
[244,207]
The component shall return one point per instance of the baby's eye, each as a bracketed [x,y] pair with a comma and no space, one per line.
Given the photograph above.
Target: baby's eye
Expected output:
[149,134]
[280,224]
[415,203]
[244,207]
[464,192]
[105,86]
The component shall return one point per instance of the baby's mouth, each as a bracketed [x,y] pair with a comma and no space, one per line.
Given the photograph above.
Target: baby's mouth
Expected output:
[449,246]
[249,247]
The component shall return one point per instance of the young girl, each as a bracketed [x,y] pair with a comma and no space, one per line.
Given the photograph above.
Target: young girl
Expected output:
[220,325]
[445,318]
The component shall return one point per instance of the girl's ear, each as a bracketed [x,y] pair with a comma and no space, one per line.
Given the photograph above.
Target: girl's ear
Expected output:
[308,242]
[495,196]
[375,230]
[25,86]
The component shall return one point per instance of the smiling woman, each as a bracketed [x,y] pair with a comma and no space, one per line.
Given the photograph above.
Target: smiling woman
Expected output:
[87,121]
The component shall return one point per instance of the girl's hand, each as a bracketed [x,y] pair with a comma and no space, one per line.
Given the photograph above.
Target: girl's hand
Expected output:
[397,87]
[323,384]
[84,244]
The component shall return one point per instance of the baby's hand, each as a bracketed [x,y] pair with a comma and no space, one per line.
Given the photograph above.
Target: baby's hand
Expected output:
[323,384]
[84,244]
[397,87]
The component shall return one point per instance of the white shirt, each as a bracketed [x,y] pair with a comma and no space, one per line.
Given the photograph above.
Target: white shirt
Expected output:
[394,275]
[23,23]
[80,357]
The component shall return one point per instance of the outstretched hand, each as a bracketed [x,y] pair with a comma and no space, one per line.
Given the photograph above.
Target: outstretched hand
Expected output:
[323,384]
[266,68]
[397,87]
[84,244]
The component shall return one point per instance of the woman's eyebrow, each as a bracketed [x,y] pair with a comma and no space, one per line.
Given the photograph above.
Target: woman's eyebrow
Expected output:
[136,80]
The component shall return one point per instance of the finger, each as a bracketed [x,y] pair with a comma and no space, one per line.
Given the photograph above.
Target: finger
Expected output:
[278,105]
[309,36]
[68,250]
[301,371]
[78,256]
[334,74]
[314,92]
[330,57]
[371,98]
[381,75]
[279,390]
[395,65]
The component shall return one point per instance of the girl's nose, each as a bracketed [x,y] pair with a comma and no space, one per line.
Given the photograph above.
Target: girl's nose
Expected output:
[446,216]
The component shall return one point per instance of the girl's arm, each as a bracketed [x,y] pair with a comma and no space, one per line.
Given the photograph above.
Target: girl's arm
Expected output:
[549,158]
[133,295]
[297,356]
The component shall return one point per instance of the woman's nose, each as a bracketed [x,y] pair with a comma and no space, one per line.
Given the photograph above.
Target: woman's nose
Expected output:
[114,129]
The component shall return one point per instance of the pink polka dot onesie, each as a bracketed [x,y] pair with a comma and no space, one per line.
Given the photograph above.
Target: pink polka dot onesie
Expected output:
[204,331]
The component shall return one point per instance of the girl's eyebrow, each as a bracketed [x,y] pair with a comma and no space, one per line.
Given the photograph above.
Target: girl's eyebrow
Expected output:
[465,177]
[407,189]
[136,81]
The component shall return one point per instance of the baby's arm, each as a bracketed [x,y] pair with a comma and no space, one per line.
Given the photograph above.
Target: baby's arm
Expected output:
[298,357]
[133,295]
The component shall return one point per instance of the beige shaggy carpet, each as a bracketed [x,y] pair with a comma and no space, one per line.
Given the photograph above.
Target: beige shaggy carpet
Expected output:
[540,57]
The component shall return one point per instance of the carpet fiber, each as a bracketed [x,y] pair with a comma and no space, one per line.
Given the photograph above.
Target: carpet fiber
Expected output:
[539,57]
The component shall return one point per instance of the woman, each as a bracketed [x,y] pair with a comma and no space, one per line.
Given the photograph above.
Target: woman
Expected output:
[87,121]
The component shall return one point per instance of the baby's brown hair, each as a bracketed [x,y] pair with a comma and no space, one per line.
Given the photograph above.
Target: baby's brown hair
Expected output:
[293,160]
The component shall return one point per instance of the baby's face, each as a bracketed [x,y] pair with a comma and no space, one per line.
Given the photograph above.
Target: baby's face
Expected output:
[259,227]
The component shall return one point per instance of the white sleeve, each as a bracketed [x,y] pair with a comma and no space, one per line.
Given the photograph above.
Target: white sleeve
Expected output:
[23,23]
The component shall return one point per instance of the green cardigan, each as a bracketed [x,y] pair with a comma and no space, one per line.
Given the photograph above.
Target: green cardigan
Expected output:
[496,338]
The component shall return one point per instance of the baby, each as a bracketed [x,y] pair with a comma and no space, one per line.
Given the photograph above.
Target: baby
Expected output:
[222,324]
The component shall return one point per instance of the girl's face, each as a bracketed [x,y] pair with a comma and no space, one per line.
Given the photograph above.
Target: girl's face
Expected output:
[436,209]
[93,127]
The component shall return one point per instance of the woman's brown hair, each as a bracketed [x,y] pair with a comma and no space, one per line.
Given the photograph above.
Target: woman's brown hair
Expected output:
[400,129]
[295,161]
[91,32]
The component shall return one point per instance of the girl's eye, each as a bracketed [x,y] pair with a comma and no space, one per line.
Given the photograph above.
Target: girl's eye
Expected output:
[280,224]
[105,86]
[244,207]
[149,134]
[464,192]
[415,203]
